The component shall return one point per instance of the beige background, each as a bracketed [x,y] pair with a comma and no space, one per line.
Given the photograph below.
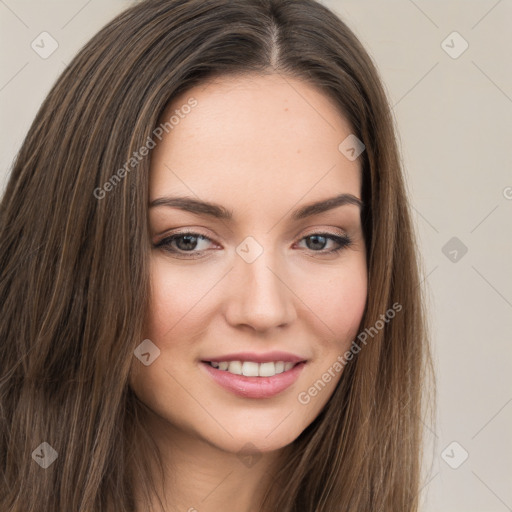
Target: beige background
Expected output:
[454,119]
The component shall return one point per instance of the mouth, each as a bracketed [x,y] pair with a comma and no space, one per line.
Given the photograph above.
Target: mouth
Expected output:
[250,379]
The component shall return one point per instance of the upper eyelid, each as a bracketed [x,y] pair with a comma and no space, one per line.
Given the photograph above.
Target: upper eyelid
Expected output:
[184,233]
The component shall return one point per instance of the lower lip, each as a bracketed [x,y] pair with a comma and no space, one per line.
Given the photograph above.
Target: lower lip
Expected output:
[254,387]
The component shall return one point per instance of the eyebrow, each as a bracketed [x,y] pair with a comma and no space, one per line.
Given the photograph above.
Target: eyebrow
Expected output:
[219,212]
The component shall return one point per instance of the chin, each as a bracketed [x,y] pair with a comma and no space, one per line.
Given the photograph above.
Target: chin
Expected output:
[253,442]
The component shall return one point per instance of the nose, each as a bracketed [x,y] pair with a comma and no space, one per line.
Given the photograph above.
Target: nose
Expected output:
[259,295]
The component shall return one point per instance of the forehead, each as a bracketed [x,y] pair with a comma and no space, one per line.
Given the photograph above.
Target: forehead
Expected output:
[256,136]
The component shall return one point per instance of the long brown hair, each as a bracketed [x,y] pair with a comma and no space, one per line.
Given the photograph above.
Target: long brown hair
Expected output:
[74,266]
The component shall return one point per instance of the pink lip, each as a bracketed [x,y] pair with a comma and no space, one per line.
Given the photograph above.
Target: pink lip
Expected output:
[254,387]
[258,358]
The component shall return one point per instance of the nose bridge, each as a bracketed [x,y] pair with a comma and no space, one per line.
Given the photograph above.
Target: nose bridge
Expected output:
[260,299]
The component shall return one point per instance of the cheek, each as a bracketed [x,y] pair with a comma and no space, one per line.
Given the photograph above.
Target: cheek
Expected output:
[338,303]
[337,299]
[174,295]
[348,311]
[171,322]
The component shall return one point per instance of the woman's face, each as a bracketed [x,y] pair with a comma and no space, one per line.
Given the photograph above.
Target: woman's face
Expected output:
[260,279]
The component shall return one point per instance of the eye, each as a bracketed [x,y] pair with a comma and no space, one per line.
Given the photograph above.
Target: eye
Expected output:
[186,242]
[316,242]
[190,245]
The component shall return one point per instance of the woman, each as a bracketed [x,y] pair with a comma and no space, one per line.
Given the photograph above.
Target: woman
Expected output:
[210,287]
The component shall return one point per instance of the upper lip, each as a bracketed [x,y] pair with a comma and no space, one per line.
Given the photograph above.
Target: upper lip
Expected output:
[258,358]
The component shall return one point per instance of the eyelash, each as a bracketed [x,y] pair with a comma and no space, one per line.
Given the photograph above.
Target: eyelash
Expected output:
[343,242]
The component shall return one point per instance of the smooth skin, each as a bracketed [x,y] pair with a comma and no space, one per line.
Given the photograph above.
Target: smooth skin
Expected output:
[261,146]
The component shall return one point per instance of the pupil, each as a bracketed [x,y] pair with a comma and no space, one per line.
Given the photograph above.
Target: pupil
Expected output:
[190,242]
[316,239]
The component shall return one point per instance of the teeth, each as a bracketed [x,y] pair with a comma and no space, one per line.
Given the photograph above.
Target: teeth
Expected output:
[235,367]
[252,369]
[267,369]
